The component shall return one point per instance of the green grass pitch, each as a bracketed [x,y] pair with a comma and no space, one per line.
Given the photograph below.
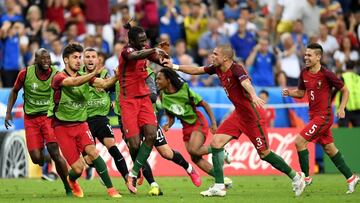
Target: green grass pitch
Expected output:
[264,189]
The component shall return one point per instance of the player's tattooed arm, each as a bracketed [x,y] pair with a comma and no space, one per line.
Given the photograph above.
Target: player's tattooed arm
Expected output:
[257,101]
[293,93]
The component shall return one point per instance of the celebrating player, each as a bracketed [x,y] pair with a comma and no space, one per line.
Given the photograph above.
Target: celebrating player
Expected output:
[317,81]
[136,107]
[98,106]
[36,80]
[248,118]
[68,110]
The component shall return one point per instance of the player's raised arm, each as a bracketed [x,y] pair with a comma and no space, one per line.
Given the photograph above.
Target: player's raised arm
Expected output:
[79,80]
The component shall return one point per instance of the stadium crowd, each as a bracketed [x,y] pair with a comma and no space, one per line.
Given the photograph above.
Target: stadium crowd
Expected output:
[268,36]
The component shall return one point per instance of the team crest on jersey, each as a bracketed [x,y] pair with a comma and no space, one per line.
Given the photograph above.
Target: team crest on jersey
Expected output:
[319,83]
[177,109]
[34,86]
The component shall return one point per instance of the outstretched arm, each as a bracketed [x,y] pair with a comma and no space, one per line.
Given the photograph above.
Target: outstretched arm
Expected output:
[189,69]
[293,93]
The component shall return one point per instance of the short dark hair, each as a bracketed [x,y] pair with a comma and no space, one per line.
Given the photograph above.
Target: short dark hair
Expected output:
[317,47]
[264,92]
[134,31]
[72,48]
[174,78]
[89,49]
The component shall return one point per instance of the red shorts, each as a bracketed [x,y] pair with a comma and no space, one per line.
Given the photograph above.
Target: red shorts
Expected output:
[256,131]
[38,131]
[73,139]
[200,125]
[135,113]
[319,130]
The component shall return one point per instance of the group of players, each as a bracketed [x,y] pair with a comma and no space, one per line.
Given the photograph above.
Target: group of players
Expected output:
[68,109]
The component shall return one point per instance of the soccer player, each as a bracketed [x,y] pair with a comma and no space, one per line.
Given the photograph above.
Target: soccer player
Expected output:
[160,144]
[98,106]
[248,118]
[68,109]
[137,110]
[35,80]
[181,102]
[317,81]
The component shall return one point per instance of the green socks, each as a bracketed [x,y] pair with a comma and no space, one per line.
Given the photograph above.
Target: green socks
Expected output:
[141,158]
[218,162]
[340,164]
[277,162]
[102,171]
[73,176]
[304,161]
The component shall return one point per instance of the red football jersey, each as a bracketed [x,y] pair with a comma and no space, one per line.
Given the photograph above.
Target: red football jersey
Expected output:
[318,88]
[231,82]
[132,75]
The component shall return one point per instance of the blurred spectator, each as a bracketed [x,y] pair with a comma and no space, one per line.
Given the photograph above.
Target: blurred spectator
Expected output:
[352,110]
[148,17]
[330,11]
[226,28]
[231,10]
[280,79]
[195,25]
[288,59]
[344,54]
[261,64]
[71,33]
[119,18]
[12,13]
[246,14]
[329,45]
[11,52]
[310,16]
[270,112]
[76,15]
[55,12]
[112,63]
[48,36]
[28,56]
[180,53]
[56,54]
[171,20]
[97,13]
[210,39]
[286,13]
[102,45]
[340,32]
[243,41]
[34,24]
[300,39]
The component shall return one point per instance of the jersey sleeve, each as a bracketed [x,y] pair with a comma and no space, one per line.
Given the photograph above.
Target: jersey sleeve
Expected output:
[239,72]
[210,69]
[56,83]
[126,52]
[333,80]
[196,97]
[20,80]
[301,84]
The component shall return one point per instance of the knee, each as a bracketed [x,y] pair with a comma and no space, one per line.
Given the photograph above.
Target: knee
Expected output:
[78,169]
[53,151]
[192,151]
[166,154]
[330,150]
[91,152]
[264,153]
[300,143]
[215,144]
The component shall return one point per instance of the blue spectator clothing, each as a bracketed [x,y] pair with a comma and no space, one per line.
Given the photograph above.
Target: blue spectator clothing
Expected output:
[243,46]
[231,14]
[208,43]
[11,53]
[15,18]
[304,40]
[173,28]
[261,72]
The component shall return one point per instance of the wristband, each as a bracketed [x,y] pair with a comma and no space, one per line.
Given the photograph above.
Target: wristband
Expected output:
[175,67]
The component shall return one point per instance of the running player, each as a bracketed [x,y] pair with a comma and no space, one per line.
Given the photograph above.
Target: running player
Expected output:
[247,118]
[98,106]
[317,81]
[68,109]
[35,80]
[137,110]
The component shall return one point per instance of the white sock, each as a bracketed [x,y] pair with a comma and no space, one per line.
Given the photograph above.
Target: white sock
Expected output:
[220,186]
[154,184]
[189,169]
[132,175]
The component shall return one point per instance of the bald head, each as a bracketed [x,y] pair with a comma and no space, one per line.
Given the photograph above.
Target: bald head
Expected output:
[226,51]
[40,52]
[42,59]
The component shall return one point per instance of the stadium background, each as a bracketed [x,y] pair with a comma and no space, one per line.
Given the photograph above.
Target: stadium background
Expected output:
[99,25]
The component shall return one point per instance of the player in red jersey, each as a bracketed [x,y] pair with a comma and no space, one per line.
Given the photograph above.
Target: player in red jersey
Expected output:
[248,118]
[317,81]
[137,110]
[35,80]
